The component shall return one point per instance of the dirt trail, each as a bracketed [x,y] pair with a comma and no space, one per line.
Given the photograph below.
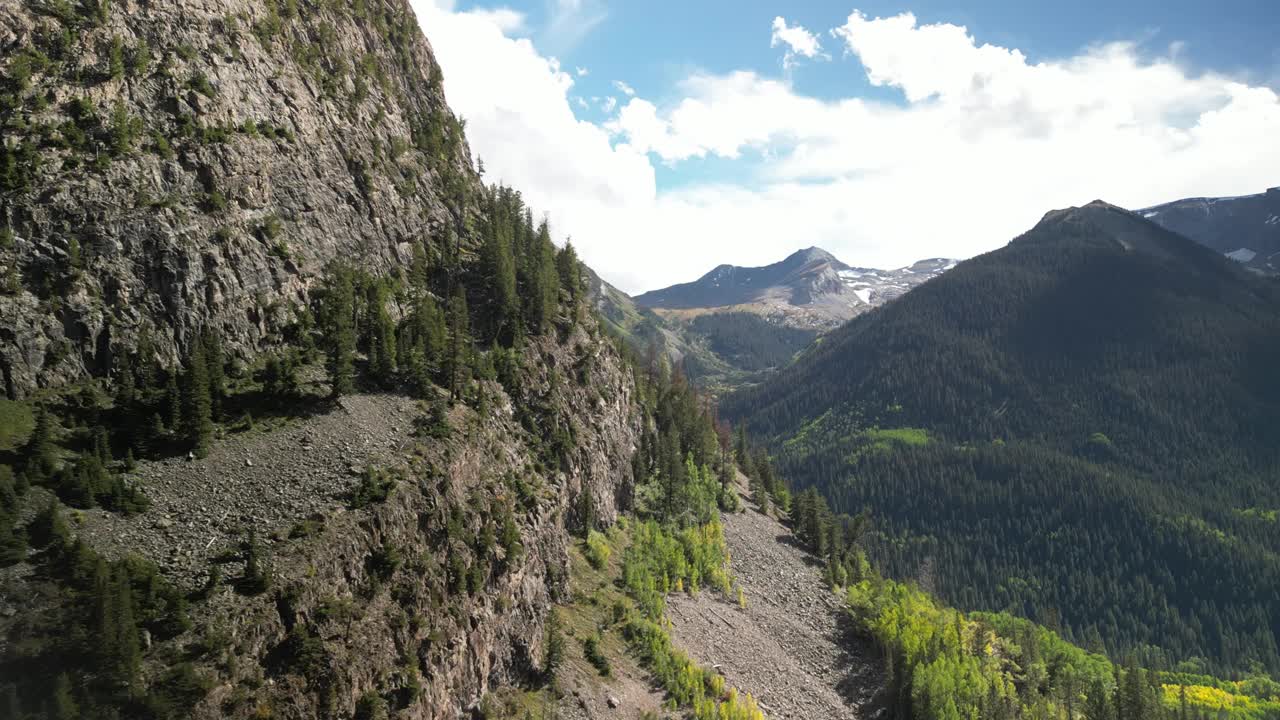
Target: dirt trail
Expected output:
[792,647]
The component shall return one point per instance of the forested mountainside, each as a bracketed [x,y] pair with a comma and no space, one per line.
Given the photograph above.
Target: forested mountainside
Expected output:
[1082,428]
[299,414]
[1245,229]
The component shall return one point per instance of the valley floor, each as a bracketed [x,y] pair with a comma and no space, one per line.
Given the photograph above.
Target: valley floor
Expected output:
[793,647]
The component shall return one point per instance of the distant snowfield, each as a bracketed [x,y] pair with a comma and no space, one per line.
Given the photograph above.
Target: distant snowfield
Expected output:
[1243,255]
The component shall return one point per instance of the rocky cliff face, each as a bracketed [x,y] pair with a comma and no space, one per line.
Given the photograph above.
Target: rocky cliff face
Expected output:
[172,165]
[422,602]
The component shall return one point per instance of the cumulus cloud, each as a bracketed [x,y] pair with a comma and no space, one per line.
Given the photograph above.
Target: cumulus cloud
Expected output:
[981,143]
[504,18]
[800,43]
[624,88]
[581,72]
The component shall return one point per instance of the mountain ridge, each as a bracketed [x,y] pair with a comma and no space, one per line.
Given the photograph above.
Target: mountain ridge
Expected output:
[1245,228]
[1099,382]
[810,289]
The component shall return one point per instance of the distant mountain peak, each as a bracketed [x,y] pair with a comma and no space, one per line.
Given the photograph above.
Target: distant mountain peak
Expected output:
[810,255]
[810,288]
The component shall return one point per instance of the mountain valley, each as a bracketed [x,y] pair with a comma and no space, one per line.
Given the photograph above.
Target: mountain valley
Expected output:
[303,417]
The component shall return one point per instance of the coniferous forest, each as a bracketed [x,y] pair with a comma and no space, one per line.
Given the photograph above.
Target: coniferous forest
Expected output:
[1082,428]
[302,418]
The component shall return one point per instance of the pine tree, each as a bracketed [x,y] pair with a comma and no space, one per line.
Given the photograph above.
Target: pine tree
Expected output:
[340,330]
[586,511]
[280,376]
[570,271]
[125,388]
[382,346]
[128,661]
[419,269]
[40,451]
[500,275]
[115,58]
[215,364]
[420,344]
[102,446]
[173,401]
[457,364]
[197,403]
[256,579]
[553,654]
[544,282]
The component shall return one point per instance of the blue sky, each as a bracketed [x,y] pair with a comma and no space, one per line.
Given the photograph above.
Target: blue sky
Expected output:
[884,132]
[653,44]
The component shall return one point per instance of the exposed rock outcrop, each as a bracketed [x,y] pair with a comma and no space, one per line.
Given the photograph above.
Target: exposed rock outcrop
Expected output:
[181,164]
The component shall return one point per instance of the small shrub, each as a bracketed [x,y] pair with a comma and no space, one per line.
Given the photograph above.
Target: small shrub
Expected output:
[591,649]
[598,550]
[306,528]
[270,228]
[200,83]
[256,578]
[371,707]
[375,487]
[384,561]
[160,146]
[435,422]
[215,201]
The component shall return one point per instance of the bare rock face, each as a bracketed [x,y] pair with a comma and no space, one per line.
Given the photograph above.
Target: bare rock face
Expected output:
[175,165]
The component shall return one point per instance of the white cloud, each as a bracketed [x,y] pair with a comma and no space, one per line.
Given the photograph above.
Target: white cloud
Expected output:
[507,20]
[624,88]
[984,143]
[608,105]
[581,72]
[800,42]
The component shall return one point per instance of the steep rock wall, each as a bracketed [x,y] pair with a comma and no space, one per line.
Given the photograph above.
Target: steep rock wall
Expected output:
[172,165]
